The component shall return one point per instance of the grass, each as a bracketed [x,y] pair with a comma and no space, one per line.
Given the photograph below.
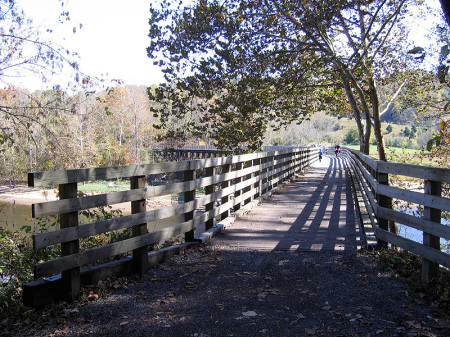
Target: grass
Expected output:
[396,152]
[104,186]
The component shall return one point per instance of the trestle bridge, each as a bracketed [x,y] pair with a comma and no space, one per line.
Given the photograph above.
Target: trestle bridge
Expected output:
[339,204]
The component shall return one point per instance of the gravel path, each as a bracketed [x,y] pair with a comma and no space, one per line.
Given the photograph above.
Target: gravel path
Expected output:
[213,291]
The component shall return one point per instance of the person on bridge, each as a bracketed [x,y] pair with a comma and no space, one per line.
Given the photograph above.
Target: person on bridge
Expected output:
[320,155]
[337,149]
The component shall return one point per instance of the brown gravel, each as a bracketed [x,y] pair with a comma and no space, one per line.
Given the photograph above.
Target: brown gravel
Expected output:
[215,291]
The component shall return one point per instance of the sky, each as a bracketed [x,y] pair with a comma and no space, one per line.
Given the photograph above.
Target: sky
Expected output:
[112,41]
[114,36]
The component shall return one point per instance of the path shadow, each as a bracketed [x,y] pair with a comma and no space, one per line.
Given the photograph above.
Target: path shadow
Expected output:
[328,220]
[315,212]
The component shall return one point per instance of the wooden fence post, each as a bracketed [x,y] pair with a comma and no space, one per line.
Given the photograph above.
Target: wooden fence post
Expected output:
[248,163]
[270,160]
[257,185]
[237,181]
[140,255]
[189,175]
[71,285]
[225,169]
[383,201]
[209,171]
[264,187]
[430,270]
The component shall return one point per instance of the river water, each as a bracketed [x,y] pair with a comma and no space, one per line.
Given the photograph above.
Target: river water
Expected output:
[15,216]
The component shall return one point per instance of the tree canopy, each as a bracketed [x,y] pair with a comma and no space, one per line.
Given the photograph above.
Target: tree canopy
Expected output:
[242,65]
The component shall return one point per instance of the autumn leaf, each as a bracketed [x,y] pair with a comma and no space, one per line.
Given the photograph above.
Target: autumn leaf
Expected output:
[414,324]
[189,284]
[310,332]
[249,314]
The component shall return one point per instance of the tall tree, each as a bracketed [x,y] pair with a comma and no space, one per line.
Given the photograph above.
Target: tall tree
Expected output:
[251,62]
[25,51]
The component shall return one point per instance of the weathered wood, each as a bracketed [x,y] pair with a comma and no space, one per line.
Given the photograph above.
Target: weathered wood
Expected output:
[210,189]
[416,171]
[428,253]
[237,193]
[257,174]
[70,278]
[421,224]
[225,168]
[415,197]
[82,231]
[83,203]
[39,293]
[366,212]
[189,196]
[102,173]
[367,160]
[55,266]
[140,261]
[430,269]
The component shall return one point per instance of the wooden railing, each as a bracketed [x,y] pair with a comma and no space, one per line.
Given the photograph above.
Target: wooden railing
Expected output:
[375,198]
[237,181]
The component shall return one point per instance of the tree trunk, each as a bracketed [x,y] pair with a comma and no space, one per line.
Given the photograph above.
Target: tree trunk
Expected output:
[377,120]
[363,139]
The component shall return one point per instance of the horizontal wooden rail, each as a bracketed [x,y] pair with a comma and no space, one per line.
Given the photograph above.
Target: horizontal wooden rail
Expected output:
[366,171]
[236,181]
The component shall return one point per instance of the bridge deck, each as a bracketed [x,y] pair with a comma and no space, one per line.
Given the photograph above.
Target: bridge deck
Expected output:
[315,212]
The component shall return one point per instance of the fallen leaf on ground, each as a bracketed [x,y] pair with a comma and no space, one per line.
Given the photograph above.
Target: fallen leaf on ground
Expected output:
[189,284]
[250,314]
[310,332]
[414,324]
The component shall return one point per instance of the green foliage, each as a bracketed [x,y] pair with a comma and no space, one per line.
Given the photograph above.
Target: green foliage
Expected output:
[389,128]
[17,256]
[352,136]
[241,67]
[276,141]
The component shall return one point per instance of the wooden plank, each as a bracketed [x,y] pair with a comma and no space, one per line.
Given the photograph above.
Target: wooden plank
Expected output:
[237,193]
[70,278]
[82,231]
[78,204]
[415,222]
[210,189]
[227,169]
[415,197]
[430,269]
[367,214]
[219,161]
[371,162]
[415,247]
[140,260]
[45,178]
[90,256]
[188,197]
[416,171]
